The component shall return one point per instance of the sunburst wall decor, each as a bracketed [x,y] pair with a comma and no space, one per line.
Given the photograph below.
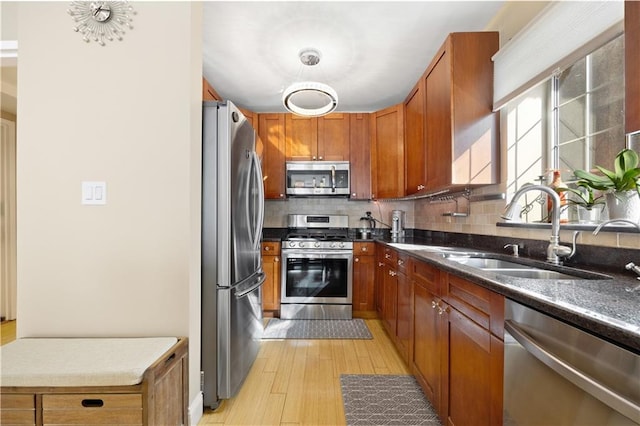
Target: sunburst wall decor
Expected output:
[101,21]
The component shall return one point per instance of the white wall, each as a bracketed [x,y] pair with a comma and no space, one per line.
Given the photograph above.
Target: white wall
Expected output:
[128,114]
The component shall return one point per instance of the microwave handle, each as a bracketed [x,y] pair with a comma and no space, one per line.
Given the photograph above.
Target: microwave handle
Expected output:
[333,178]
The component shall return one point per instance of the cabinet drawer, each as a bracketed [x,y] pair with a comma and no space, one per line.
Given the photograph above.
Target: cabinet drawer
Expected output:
[426,275]
[92,409]
[17,409]
[483,306]
[271,248]
[391,256]
[363,249]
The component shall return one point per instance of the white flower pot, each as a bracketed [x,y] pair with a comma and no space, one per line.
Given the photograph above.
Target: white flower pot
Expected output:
[624,205]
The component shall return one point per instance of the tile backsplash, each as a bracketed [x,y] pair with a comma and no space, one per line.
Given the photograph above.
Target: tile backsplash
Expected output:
[428,215]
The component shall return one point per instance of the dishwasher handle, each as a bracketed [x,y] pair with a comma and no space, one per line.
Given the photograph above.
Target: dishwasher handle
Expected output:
[605,395]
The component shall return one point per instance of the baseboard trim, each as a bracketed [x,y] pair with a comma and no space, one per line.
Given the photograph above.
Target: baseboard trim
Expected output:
[196,409]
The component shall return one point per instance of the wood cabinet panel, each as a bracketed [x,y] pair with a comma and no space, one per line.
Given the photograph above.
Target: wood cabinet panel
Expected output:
[360,156]
[390,302]
[381,267]
[92,409]
[18,409]
[364,282]
[301,138]
[208,92]
[632,65]
[415,148]
[474,374]
[387,130]
[462,131]
[271,265]
[272,133]
[334,137]
[404,317]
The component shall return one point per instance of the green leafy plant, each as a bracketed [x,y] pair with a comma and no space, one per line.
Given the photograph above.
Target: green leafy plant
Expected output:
[584,195]
[624,177]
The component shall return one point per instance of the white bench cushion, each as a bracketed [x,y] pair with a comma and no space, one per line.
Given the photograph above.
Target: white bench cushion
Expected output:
[79,361]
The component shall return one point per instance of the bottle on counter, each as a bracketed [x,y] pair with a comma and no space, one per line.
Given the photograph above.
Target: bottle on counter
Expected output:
[556,184]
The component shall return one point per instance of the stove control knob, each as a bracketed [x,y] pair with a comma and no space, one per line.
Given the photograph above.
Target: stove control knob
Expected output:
[341,245]
[292,244]
[316,244]
[333,245]
[300,245]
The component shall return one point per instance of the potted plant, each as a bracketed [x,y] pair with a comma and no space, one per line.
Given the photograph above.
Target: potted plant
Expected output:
[621,185]
[589,205]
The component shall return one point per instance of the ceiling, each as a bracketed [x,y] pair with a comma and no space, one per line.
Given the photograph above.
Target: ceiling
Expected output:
[372,52]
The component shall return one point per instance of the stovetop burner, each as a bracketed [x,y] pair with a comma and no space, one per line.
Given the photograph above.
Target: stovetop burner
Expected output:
[318,232]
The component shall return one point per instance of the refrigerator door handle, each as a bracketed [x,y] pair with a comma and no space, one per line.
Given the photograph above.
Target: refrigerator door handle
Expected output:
[250,284]
[257,173]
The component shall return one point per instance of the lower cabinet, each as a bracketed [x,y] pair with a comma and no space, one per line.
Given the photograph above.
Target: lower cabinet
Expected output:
[450,332]
[271,288]
[364,279]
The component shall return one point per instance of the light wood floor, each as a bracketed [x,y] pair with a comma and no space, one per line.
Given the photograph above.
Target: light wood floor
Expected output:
[297,382]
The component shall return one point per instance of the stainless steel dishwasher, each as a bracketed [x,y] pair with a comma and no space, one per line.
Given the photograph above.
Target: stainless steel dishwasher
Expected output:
[556,374]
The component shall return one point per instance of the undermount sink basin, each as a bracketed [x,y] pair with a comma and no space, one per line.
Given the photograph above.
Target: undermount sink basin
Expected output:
[430,248]
[520,270]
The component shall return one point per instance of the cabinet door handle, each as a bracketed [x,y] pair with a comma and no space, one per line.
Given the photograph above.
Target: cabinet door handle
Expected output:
[380,264]
[387,256]
[364,249]
[400,262]
[277,259]
[353,194]
[357,259]
[442,310]
[267,248]
[434,304]
[320,158]
[393,274]
[313,158]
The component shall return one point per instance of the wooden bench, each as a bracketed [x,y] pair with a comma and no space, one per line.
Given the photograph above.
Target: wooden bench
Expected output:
[88,381]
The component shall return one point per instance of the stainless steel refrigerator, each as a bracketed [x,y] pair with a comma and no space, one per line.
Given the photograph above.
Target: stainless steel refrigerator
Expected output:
[232,275]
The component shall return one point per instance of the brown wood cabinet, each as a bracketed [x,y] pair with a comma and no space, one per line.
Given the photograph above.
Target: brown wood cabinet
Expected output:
[632,65]
[474,356]
[271,288]
[428,330]
[461,130]
[317,138]
[404,310]
[271,130]
[379,278]
[415,149]
[208,92]
[387,145]
[364,261]
[360,156]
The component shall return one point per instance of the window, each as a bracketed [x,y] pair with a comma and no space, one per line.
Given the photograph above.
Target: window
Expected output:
[574,120]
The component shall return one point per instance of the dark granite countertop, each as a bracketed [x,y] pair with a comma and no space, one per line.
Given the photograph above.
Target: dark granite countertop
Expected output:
[600,306]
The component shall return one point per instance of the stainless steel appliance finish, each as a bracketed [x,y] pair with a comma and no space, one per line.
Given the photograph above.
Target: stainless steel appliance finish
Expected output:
[312,178]
[232,275]
[556,374]
[317,268]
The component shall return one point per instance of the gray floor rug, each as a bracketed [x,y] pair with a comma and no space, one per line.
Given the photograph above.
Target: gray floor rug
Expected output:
[375,399]
[316,329]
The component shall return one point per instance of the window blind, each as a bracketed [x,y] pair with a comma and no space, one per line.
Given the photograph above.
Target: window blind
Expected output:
[562,33]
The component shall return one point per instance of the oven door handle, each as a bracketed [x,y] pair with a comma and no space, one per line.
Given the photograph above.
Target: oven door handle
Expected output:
[605,395]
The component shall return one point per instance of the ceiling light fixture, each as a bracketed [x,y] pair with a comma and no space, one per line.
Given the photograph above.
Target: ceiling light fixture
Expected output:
[310,98]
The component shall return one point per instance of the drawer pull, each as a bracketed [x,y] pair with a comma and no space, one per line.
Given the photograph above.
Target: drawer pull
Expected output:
[92,403]
[171,358]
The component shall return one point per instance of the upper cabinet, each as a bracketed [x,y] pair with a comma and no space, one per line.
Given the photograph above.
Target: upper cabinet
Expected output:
[324,138]
[271,132]
[208,92]
[632,65]
[387,165]
[415,142]
[461,130]
[360,156]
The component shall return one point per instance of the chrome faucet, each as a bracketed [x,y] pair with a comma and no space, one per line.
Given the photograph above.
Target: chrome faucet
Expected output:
[606,222]
[555,251]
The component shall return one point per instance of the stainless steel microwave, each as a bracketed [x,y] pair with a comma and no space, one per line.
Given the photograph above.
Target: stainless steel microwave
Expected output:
[310,178]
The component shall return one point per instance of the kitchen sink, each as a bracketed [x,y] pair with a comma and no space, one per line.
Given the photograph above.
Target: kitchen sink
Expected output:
[522,270]
[434,249]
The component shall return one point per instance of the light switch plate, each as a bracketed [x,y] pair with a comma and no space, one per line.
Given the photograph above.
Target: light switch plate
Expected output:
[94,193]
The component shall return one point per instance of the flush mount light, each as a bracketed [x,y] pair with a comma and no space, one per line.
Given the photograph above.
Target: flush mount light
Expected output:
[310,98]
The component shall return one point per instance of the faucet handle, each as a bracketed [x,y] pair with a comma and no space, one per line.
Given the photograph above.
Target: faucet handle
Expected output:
[515,247]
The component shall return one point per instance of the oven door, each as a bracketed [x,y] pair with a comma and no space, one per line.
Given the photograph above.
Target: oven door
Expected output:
[323,277]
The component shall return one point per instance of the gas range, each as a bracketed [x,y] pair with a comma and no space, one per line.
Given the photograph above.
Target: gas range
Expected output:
[323,232]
